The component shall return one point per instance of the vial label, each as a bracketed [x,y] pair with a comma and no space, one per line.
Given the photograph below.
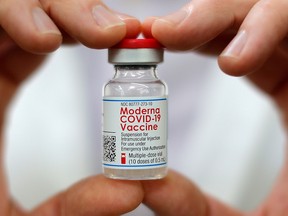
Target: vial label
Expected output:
[134,133]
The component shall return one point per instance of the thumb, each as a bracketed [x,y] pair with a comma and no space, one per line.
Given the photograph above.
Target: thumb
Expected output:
[94,196]
[191,26]
[176,195]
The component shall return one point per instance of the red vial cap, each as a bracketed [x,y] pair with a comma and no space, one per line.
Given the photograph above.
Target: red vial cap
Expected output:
[148,43]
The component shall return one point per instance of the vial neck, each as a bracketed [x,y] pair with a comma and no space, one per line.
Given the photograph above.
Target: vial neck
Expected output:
[132,72]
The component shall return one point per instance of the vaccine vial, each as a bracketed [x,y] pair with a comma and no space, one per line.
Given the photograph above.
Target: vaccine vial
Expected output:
[135,113]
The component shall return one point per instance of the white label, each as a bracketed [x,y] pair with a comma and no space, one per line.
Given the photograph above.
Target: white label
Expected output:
[134,133]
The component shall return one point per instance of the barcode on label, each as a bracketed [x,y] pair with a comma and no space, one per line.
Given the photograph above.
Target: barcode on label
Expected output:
[109,148]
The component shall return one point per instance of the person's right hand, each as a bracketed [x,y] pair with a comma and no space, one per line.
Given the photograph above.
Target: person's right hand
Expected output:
[250,38]
[29,29]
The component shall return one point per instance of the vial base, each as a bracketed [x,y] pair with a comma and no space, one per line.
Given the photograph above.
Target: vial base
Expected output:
[139,174]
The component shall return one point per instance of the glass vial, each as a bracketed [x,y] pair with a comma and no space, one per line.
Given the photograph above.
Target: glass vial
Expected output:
[135,113]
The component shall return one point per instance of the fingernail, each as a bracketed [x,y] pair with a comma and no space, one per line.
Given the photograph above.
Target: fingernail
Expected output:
[43,22]
[122,16]
[177,17]
[236,46]
[105,18]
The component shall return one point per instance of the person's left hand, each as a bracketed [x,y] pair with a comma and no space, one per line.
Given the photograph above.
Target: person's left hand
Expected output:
[28,28]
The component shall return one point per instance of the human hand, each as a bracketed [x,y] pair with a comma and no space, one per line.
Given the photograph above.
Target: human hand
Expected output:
[258,50]
[31,29]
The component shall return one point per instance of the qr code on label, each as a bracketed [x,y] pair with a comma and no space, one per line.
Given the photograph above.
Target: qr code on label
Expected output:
[109,148]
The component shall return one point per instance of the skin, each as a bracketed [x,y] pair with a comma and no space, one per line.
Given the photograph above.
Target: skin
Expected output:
[258,51]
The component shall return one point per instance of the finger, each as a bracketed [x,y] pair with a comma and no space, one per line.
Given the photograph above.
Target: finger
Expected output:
[91,22]
[197,22]
[94,196]
[147,26]
[263,29]
[29,26]
[133,25]
[176,195]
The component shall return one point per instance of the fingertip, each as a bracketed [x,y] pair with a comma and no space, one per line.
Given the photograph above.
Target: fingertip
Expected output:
[44,36]
[244,54]
[171,36]
[102,196]
[93,25]
[36,42]
[133,25]
[176,31]
[240,66]
[232,66]
[230,59]
[262,30]
[193,25]
[42,43]
[103,38]
[126,195]
[147,26]
[39,34]
[108,31]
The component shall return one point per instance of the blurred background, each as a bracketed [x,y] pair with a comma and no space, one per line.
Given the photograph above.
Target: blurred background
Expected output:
[224,134]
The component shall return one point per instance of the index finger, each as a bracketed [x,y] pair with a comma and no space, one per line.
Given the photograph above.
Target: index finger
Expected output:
[197,22]
[91,22]
[37,26]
